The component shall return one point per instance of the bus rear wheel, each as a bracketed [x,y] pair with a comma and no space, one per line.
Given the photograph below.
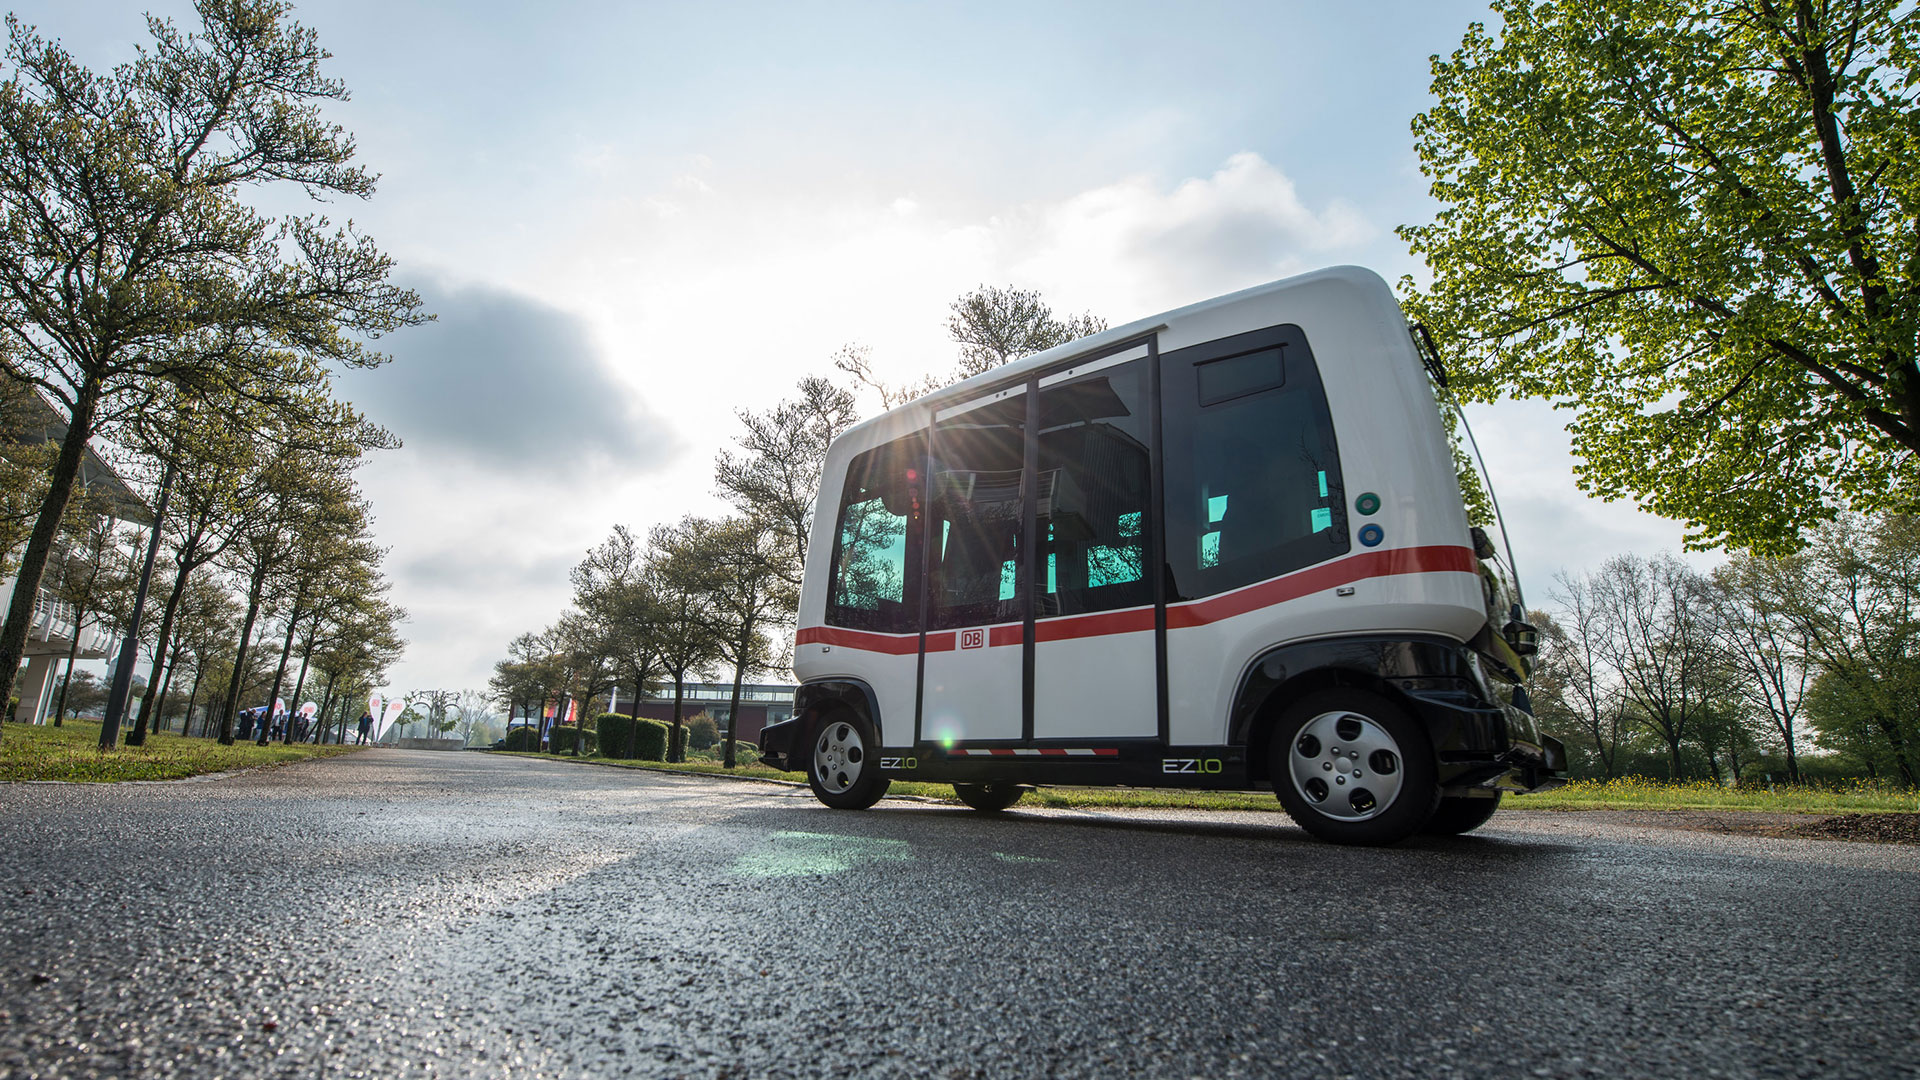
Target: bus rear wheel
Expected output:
[1351,767]
[1456,815]
[990,797]
[841,767]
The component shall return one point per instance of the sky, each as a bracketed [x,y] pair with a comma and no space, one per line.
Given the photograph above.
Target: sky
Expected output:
[632,220]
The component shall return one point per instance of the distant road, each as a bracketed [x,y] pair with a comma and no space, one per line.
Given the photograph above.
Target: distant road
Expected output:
[407,913]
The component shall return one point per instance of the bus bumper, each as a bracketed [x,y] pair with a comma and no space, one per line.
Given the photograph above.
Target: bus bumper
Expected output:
[1489,747]
[779,745]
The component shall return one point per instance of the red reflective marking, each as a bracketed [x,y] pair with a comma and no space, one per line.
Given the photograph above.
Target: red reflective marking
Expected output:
[1052,753]
[1108,752]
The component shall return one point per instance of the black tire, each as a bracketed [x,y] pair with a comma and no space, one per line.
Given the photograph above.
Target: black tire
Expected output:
[990,797]
[1380,787]
[842,766]
[1456,815]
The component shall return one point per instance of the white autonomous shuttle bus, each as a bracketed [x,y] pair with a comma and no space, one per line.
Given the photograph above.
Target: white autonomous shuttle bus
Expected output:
[1221,548]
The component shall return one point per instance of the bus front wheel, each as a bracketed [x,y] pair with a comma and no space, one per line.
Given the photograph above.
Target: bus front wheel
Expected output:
[841,766]
[1353,768]
[990,797]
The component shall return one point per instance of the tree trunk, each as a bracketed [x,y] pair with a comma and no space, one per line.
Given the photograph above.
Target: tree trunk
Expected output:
[240,661]
[733,708]
[320,722]
[280,674]
[161,702]
[46,529]
[293,703]
[160,648]
[676,740]
[60,706]
[193,699]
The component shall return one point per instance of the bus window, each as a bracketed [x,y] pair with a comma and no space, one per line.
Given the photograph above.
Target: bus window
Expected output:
[878,519]
[978,462]
[1252,472]
[1095,472]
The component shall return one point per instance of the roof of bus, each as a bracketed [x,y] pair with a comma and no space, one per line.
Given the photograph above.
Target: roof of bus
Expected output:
[1356,275]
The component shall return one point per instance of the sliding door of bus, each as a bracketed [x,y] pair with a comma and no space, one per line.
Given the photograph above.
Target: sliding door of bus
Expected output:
[1253,494]
[973,681]
[1095,665]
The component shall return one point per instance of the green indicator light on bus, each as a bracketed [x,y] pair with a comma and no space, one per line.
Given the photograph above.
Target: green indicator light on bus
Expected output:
[1367,503]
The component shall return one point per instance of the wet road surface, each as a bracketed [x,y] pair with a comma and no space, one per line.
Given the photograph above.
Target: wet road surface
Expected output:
[396,913]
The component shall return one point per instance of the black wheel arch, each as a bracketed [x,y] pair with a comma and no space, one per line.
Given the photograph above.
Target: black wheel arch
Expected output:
[815,700]
[1431,677]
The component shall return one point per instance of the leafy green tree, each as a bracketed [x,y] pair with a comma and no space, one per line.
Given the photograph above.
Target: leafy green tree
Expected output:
[1855,602]
[684,631]
[130,267]
[736,566]
[775,476]
[80,692]
[1694,226]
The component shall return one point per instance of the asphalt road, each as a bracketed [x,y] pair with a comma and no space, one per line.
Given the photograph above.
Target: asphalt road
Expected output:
[399,913]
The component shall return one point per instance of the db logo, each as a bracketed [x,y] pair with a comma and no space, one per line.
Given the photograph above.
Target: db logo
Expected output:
[972,639]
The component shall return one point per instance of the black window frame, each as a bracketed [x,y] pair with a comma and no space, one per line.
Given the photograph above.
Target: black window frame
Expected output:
[911,451]
[1183,414]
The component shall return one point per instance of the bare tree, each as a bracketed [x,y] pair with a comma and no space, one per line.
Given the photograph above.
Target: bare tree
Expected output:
[1573,662]
[1764,644]
[1658,641]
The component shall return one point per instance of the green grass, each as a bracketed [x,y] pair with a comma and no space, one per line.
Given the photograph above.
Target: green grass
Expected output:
[72,752]
[1640,793]
[1631,793]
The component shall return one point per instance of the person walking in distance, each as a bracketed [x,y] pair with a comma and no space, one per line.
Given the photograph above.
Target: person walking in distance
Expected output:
[366,726]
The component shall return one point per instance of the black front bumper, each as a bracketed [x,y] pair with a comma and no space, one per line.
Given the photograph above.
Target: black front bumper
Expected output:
[780,744]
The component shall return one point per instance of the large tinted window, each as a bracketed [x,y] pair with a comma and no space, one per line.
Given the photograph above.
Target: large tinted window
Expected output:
[1252,473]
[874,585]
[1094,490]
[974,527]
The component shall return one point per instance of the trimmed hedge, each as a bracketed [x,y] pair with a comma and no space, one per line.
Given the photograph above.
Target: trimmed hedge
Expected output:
[616,735]
[523,738]
[649,740]
[561,740]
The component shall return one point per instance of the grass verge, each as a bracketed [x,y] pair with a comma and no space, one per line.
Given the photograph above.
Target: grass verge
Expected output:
[72,752]
[1631,793]
[1640,793]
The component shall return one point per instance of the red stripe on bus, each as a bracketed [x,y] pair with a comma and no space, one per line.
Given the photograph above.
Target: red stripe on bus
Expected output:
[1100,624]
[861,639]
[1439,558]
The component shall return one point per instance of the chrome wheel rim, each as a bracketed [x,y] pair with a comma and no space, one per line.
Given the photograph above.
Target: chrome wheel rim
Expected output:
[838,757]
[1346,766]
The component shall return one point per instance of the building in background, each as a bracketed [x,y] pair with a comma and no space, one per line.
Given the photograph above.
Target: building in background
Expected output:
[760,704]
[53,631]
